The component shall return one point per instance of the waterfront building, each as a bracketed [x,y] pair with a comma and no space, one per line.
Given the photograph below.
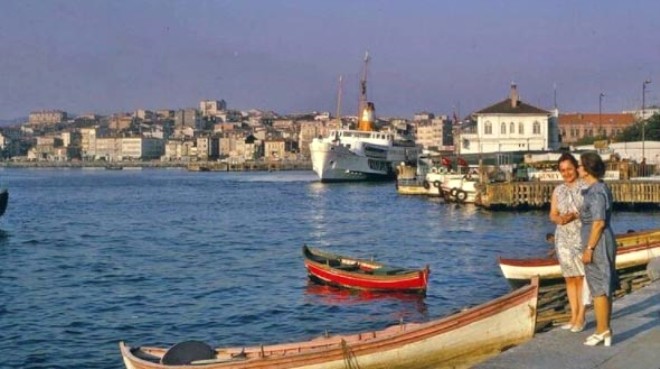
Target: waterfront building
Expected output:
[141,148]
[179,150]
[576,126]
[88,142]
[276,148]
[3,141]
[310,130]
[208,148]
[509,126]
[108,149]
[47,117]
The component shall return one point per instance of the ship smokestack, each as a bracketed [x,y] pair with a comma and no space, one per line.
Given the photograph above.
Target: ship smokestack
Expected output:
[367,118]
[514,95]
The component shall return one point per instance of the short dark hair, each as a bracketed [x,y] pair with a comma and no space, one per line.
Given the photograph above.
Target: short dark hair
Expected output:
[593,164]
[567,156]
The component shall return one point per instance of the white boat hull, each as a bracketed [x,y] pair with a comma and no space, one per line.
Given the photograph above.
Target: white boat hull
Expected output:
[624,259]
[338,163]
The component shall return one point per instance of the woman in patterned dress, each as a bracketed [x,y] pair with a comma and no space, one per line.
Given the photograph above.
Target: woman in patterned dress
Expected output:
[564,212]
[599,255]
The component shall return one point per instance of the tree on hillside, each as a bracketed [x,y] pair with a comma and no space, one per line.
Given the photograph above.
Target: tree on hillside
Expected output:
[634,132]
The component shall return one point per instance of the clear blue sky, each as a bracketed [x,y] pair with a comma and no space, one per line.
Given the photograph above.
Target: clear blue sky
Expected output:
[427,55]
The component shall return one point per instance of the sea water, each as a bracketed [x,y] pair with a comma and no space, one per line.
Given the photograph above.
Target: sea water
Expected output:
[156,257]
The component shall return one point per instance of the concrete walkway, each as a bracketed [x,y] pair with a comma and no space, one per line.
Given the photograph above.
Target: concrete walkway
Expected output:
[635,345]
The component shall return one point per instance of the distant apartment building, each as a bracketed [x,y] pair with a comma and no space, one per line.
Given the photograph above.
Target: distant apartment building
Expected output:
[278,148]
[120,122]
[164,114]
[141,148]
[423,116]
[3,141]
[187,118]
[179,150]
[108,149]
[88,142]
[229,143]
[309,130]
[208,148]
[47,117]
[431,134]
[576,126]
[70,138]
[144,114]
[229,116]
[275,148]
[223,127]
[212,108]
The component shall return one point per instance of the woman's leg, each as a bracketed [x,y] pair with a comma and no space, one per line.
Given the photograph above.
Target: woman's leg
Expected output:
[602,311]
[571,293]
[581,309]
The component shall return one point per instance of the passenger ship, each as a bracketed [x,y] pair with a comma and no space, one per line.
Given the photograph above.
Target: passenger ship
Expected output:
[362,154]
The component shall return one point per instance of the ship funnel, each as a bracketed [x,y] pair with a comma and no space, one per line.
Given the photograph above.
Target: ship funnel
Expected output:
[367,118]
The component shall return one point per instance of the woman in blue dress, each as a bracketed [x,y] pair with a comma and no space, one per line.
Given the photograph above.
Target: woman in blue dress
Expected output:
[600,246]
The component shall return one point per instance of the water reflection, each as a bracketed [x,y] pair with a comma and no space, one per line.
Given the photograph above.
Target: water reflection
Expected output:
[410,306]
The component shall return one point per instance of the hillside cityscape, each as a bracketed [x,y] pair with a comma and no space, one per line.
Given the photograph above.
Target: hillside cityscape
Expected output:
[215,132]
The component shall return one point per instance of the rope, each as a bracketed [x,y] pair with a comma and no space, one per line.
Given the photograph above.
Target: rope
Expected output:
[350,360]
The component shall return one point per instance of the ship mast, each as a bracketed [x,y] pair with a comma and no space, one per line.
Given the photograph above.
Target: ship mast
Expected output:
[339,92]
[366,110]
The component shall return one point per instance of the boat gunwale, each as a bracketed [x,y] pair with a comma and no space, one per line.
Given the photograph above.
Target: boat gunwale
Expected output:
[389,338]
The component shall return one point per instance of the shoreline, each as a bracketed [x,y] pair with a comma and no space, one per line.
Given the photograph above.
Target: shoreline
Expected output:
[195,166]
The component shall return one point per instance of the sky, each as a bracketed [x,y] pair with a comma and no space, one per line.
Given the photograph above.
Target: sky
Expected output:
[85,56]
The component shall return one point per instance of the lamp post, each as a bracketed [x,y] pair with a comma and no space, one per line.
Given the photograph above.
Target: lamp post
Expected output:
[646,82]
[600,113]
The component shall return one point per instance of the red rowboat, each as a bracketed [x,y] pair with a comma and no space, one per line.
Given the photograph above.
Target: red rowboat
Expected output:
[459,340]
[341,271]
[635,249]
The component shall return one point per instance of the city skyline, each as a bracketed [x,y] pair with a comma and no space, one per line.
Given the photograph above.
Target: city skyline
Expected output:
[287,56]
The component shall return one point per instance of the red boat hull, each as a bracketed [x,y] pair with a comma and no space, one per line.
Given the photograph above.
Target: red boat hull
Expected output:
[366,276]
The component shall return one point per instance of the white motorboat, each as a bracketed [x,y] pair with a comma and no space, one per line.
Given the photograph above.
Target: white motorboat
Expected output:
[361,154]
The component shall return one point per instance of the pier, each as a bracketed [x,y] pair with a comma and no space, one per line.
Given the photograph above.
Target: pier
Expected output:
[635,342]
[640,193]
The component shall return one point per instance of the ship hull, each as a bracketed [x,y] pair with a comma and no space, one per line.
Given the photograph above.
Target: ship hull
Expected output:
[338,163]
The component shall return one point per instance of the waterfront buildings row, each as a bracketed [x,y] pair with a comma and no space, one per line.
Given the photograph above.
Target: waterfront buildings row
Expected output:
[215,132]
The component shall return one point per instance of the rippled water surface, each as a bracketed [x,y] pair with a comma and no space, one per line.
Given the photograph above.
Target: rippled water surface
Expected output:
[92,257]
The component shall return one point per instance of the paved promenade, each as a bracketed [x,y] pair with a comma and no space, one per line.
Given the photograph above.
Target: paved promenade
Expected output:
[636,342]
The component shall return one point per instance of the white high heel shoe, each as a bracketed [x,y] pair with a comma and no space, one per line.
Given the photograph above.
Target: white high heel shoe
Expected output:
[595,339]
[566,326]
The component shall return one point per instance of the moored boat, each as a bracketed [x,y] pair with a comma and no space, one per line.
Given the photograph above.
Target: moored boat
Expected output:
[635,249]
[4,201]
[360,154]
[462,339]
[342,271]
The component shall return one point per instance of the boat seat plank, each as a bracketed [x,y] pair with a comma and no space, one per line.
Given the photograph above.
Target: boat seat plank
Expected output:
[388,271]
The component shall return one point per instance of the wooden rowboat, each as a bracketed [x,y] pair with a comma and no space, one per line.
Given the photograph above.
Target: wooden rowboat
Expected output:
[462,339]
[342,271]
[4,200]
[635,249]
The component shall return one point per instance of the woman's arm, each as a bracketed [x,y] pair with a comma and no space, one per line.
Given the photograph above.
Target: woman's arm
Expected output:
[597,228]
[556,217]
